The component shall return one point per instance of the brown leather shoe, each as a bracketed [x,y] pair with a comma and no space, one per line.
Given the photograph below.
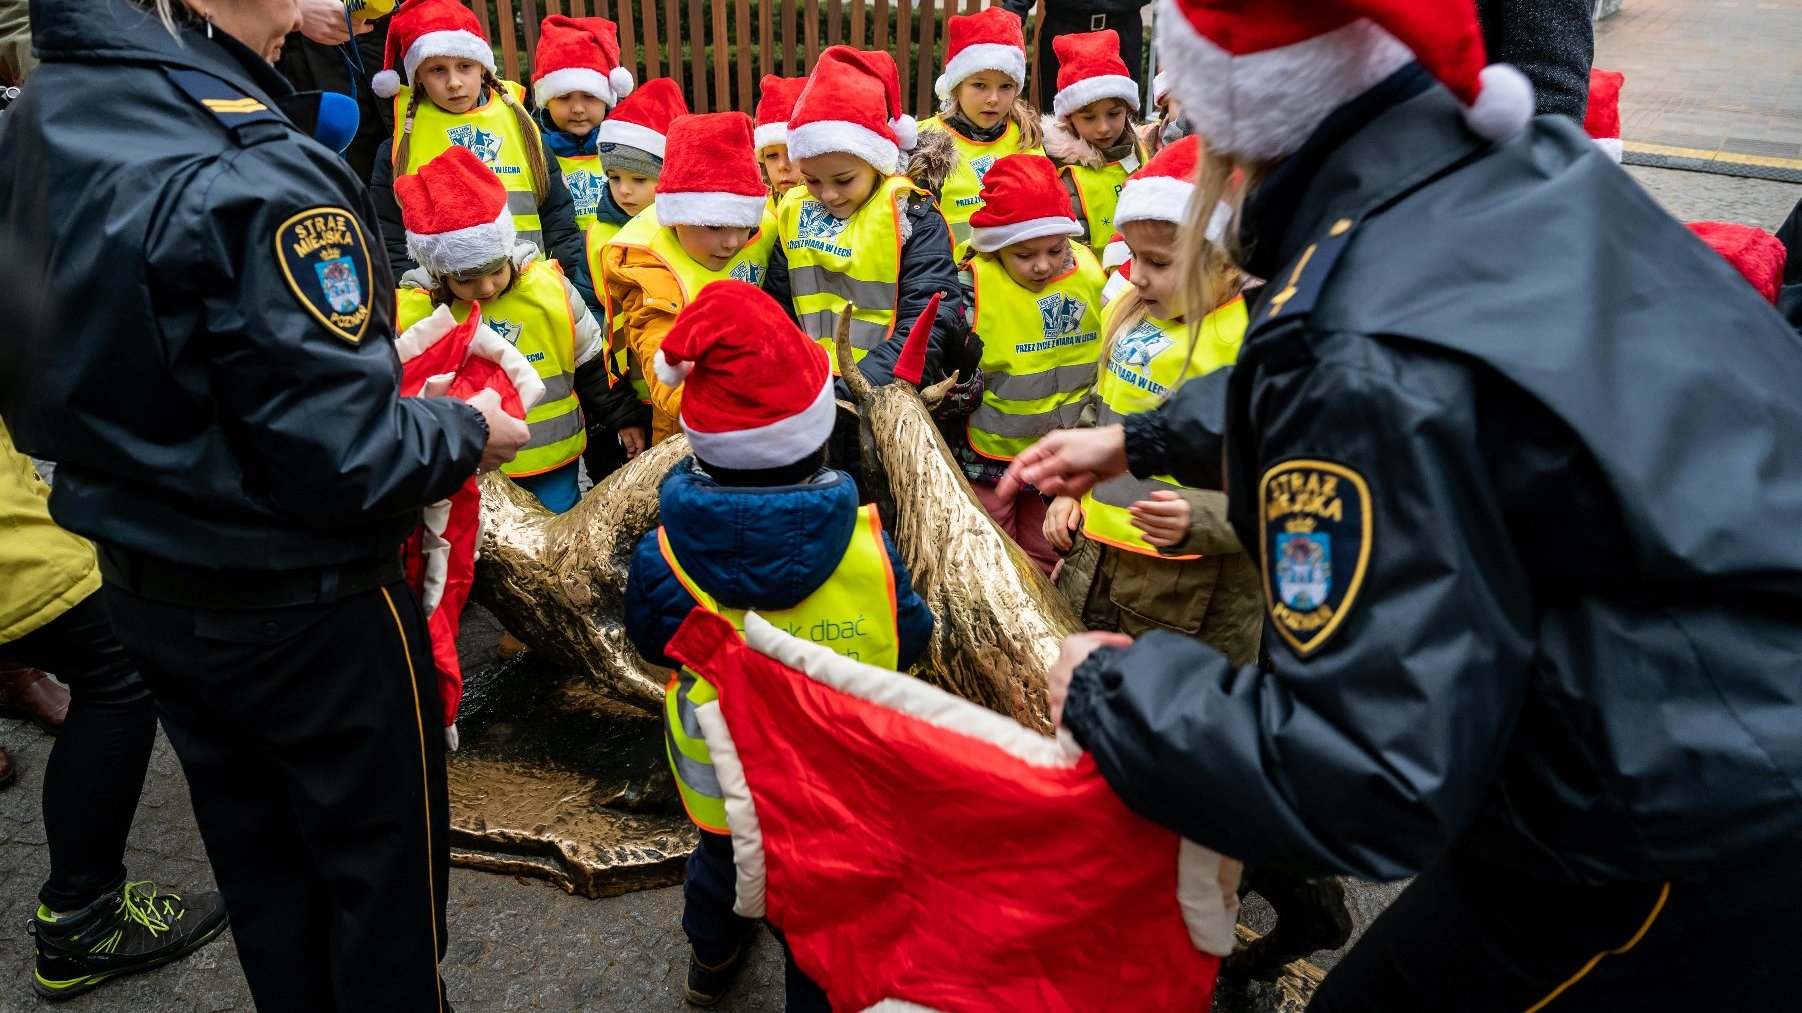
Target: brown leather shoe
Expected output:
[27,692]
[7,775]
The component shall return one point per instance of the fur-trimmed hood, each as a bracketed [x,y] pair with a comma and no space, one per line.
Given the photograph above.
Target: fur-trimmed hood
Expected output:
[1065,146]
[932,160]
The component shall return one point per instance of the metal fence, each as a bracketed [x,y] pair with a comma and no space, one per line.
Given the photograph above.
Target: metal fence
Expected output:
[718,49]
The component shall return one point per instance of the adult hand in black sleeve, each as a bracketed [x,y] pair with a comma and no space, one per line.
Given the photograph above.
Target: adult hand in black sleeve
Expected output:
[306,382]
[1396,675]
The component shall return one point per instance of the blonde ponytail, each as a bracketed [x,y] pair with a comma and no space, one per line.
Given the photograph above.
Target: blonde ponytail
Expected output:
[403,149]
[1026,116]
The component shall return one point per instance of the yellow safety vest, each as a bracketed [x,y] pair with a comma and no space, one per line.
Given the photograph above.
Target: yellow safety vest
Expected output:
[833,264]
[534,316]
[961,196]
[1095,193]
[1144,367]
[837,615]
[621,363]
[493,133]
[645,232]
[1038,353]
[583,175]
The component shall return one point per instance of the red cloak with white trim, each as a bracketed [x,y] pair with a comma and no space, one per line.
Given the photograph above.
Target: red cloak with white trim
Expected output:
[922,853]
[456,360]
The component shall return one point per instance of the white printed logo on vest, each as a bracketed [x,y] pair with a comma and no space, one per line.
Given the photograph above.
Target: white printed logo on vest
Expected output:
[817,228]
[484,144]
[1136,349]
[584,191]
[980,166]
[747,272]
[1059,316]
[507,329]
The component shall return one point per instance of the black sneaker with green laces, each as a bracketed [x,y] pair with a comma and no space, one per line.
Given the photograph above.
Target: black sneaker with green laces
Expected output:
[135,928]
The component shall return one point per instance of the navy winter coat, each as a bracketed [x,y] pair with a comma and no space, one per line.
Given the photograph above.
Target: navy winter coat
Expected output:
[764,547]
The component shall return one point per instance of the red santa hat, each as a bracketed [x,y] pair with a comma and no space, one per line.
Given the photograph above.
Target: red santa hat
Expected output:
[1756,253]
[756,392]
[710,176]
[455,212]
[990,39]
[1089,69]
[422,29]
[642,120]
[1160,87]
[1024,199]
[579,54]
[1162,190]
[1257,78]
[1603,121]
[775,104]
[852,104]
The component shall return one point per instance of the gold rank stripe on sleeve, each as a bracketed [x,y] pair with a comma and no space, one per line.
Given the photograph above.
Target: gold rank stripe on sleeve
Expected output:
[240,105]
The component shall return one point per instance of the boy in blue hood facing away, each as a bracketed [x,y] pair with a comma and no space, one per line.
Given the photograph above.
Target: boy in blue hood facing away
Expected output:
[756,521]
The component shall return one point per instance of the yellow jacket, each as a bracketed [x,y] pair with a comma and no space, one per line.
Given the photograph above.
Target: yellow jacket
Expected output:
[649,297]
[44,570]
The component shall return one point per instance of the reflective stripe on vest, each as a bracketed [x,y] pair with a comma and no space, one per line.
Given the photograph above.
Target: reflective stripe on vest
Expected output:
[583,176]
[534,316]
[836,615]
[1038,353]
[1145,365]
[1095,193]
[961,196]
[621,363]
[855,262]
[493,133]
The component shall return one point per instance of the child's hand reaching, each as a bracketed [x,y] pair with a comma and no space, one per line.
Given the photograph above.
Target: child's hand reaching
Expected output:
[632,439]
[1163,519]
[1062,518]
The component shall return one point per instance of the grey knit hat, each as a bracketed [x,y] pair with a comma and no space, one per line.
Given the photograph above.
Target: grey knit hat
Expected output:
[625,158]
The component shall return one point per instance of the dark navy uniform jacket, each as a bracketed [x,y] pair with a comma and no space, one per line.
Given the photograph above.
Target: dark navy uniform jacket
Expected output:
[1523,462]
[216,376]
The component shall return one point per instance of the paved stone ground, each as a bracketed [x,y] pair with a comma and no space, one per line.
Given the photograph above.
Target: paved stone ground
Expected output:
[519,945]
[1715,75]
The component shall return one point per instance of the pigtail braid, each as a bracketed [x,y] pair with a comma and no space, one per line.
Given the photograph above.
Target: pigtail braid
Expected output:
[541,176]
[404,149]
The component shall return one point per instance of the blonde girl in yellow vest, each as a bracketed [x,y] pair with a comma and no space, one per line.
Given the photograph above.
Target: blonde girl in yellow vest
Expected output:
[859,234]
[1037,299]
[711,222]
[1091,132]
[450,97]
[980,107]
[472,260]
[1145,554]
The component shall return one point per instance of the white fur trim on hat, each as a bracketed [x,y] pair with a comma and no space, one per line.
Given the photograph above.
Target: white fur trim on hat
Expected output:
[1154,198]
[632,135]
[1094,89]
[1504,103]
[464,249]
[768,134]
[775,445]
[1009,60]
[425,332]
[1262,106]
[503,353]
[670,375]
[561,82]
[735,210]
[1116,286]
[994,237]
[1612,146]
[810,140]
[1160,86]
[1115,254]
[454,42]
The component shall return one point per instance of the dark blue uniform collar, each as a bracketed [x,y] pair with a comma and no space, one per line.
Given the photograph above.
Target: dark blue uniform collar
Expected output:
[1386,142]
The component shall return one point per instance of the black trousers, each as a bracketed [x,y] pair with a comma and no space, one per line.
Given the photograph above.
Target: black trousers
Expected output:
[716,932]
[1471,936]
[96,769]
[311,742]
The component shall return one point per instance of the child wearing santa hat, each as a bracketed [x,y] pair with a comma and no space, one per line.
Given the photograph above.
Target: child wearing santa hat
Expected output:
[1091,131]
[1038,312]
[1145,554]
[980,107]
[711,221]
[440,73]
[576,78]
[775,104]
[756,521]
[469,251]
[861,234]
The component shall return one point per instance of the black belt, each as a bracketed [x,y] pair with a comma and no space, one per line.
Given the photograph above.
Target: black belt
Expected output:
[242,590]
